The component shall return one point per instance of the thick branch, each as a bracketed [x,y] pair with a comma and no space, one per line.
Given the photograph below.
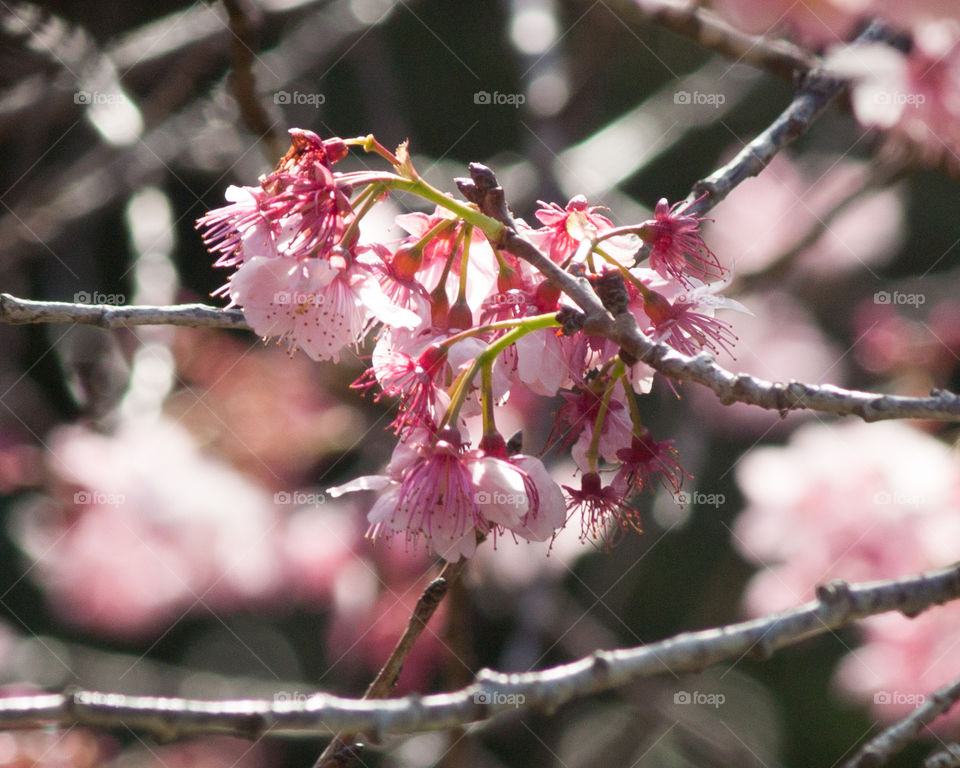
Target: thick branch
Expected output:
[881,748]
[838,605]
[21,311]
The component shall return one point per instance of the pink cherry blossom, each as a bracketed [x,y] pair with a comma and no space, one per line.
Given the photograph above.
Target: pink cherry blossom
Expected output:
[318,305]
[677,249]
[647,463]
[603,510]
[566,228]
[912,96]
[301,209]
[449,495]
[143,526]
[687,323]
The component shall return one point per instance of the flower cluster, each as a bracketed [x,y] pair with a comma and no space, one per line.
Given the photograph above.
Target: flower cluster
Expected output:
[462,323]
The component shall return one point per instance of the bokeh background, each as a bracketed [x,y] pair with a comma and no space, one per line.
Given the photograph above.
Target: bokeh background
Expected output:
[164,524]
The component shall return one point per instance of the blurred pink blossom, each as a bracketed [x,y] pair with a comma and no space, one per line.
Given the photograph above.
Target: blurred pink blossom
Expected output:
[858,502]
[144,526]
[779,207]
[914,95]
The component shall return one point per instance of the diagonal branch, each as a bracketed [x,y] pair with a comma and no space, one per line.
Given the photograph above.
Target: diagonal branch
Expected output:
[703,368]
[881,748]
[339,750]
[779,57]
[837,605]
[814,96]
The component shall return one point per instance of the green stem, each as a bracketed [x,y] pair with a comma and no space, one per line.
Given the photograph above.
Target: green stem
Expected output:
[593,451]
[434,231]
[367,198]
[497,326]
[491,228]
[461,386]
[486,397]
[464,263]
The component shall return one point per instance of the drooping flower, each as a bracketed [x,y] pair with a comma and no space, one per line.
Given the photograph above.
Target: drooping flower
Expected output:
[450,496]
[414,381]
[648,462]
[428,492]
[677,248]
[579,415]
[600,505]
[687,323]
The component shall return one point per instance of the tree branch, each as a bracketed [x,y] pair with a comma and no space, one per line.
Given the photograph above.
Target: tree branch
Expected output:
[339,751]
[243,79]
[21,311]
[703,368]
[816,93]
[881,748]
[837,605]
[779,57]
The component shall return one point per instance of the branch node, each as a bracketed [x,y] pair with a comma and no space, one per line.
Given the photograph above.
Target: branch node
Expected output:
[836,593]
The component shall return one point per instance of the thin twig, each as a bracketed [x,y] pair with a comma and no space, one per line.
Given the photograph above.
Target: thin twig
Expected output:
[838,604]
[779,57]
[818,90]
[884,746]
[243,81]
[339,751]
